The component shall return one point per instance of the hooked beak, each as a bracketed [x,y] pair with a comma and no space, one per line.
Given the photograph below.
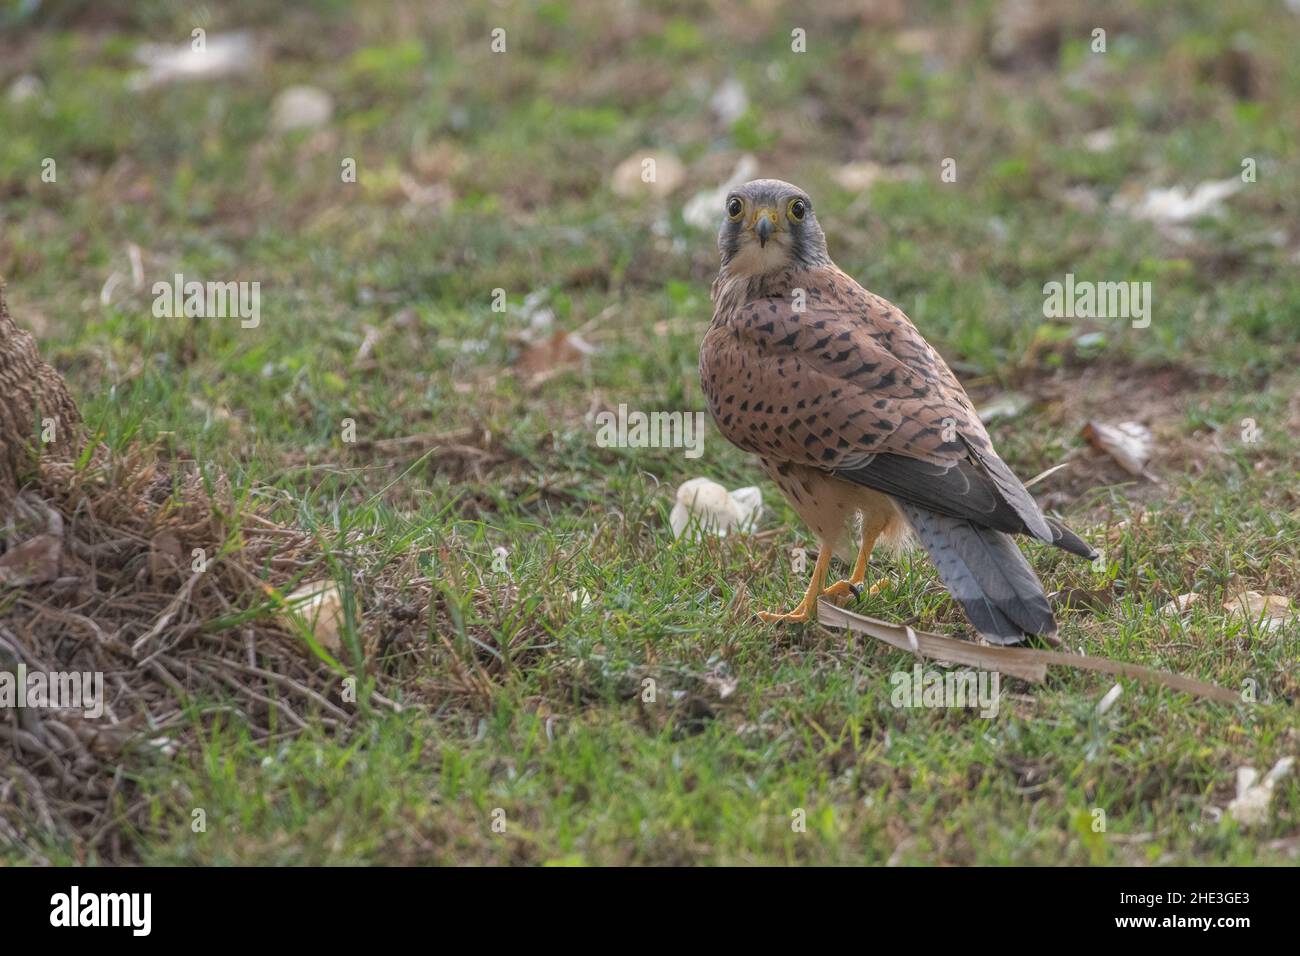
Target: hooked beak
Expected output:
[764,224]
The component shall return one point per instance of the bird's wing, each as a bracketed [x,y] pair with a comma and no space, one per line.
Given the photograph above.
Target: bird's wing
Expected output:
[849,386]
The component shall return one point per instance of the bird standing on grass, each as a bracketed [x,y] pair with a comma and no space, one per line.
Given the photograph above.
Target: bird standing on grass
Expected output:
[851,412]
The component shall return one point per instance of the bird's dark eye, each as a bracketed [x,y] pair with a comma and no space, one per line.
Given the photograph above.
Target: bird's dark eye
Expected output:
[798,209]
[735,207]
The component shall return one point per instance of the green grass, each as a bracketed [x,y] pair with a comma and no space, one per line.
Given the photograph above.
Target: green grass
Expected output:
[522,699]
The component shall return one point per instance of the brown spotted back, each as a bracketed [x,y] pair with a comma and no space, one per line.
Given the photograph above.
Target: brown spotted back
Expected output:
[846,378]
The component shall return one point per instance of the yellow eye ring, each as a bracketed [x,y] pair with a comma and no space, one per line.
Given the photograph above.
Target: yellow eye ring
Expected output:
[735,208]
[797,210]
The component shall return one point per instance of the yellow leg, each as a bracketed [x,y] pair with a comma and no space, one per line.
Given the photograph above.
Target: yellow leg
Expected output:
[809,602]
[853,584]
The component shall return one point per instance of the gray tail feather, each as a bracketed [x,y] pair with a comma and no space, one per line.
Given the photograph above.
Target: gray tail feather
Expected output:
[985,571]
[1064,538]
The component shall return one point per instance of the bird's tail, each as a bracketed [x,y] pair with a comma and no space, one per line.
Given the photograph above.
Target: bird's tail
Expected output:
[985,571]
[1064,538]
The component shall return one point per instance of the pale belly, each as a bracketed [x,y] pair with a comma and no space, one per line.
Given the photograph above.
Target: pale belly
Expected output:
[838,511]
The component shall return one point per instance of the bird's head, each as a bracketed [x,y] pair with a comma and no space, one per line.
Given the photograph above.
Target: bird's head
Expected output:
[769,225]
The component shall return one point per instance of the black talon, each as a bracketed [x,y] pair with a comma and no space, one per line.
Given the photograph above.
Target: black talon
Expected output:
[856,589]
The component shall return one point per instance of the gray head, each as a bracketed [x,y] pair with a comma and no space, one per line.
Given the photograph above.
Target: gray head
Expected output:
[769,225]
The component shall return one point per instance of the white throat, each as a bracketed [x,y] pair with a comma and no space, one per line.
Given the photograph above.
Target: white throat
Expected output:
[753,260]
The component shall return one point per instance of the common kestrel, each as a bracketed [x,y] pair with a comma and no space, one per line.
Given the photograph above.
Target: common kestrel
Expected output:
[851,412]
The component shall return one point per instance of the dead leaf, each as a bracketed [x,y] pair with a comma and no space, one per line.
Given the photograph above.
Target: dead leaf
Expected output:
[1180,604]
[35,561]
[729,101]
[1100,140]
[918,41]
[647,173]
[220,55]
[1252,801]
[1082,198]
[418,194]
[858,176]
[1129,443]
[1107,702]
[301,107]
[1027,663]
[367,347]
[540,360]
[1006,405]
[318,606]
[714,509]
[1269,611]
[25,87]
[1178,205]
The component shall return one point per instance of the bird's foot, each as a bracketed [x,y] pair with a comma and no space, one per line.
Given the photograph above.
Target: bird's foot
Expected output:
[849,586]
[808,606]
[798,616]
[844,588]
